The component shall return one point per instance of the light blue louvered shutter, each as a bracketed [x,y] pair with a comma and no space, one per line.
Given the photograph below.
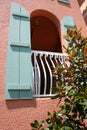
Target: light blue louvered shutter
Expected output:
[19,66]
[64,1]
[67,22]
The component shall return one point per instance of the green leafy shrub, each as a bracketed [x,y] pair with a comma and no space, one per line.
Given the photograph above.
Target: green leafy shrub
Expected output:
[71,87]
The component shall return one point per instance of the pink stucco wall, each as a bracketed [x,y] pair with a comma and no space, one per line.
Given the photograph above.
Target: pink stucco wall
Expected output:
[17,114]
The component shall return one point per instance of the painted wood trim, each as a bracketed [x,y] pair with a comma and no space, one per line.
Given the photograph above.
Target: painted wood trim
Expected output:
[18,87]
[20,15]
[69,26]
[20,44]
[64,1]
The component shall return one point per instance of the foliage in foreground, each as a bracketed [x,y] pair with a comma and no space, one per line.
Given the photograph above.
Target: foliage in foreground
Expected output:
[71,87]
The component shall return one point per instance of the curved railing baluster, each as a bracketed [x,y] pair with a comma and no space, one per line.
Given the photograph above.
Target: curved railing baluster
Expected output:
[52,61]
[55,57]
[35,73]
[61,59]
[49,74]
[33,77]
[39,78]
[44,71]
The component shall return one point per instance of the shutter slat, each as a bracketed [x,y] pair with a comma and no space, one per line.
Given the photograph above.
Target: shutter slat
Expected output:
[19,44]
[64,1]
[20,15]
[16,87]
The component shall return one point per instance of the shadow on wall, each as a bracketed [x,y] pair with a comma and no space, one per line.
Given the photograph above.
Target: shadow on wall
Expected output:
[14,104]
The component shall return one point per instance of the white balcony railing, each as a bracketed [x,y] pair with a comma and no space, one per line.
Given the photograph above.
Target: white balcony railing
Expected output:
[43,64]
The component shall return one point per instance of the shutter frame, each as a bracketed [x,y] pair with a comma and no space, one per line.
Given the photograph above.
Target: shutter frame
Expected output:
[19,67]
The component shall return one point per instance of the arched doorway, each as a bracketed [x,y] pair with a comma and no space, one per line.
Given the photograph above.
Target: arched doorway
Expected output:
[45,32]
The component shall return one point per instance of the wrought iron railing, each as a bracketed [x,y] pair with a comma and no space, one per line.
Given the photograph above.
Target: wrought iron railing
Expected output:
[43,64]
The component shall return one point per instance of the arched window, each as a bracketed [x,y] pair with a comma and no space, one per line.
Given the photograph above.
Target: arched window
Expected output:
[45,31]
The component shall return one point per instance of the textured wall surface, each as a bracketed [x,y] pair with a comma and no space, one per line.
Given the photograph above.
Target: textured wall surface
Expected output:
[17,114]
